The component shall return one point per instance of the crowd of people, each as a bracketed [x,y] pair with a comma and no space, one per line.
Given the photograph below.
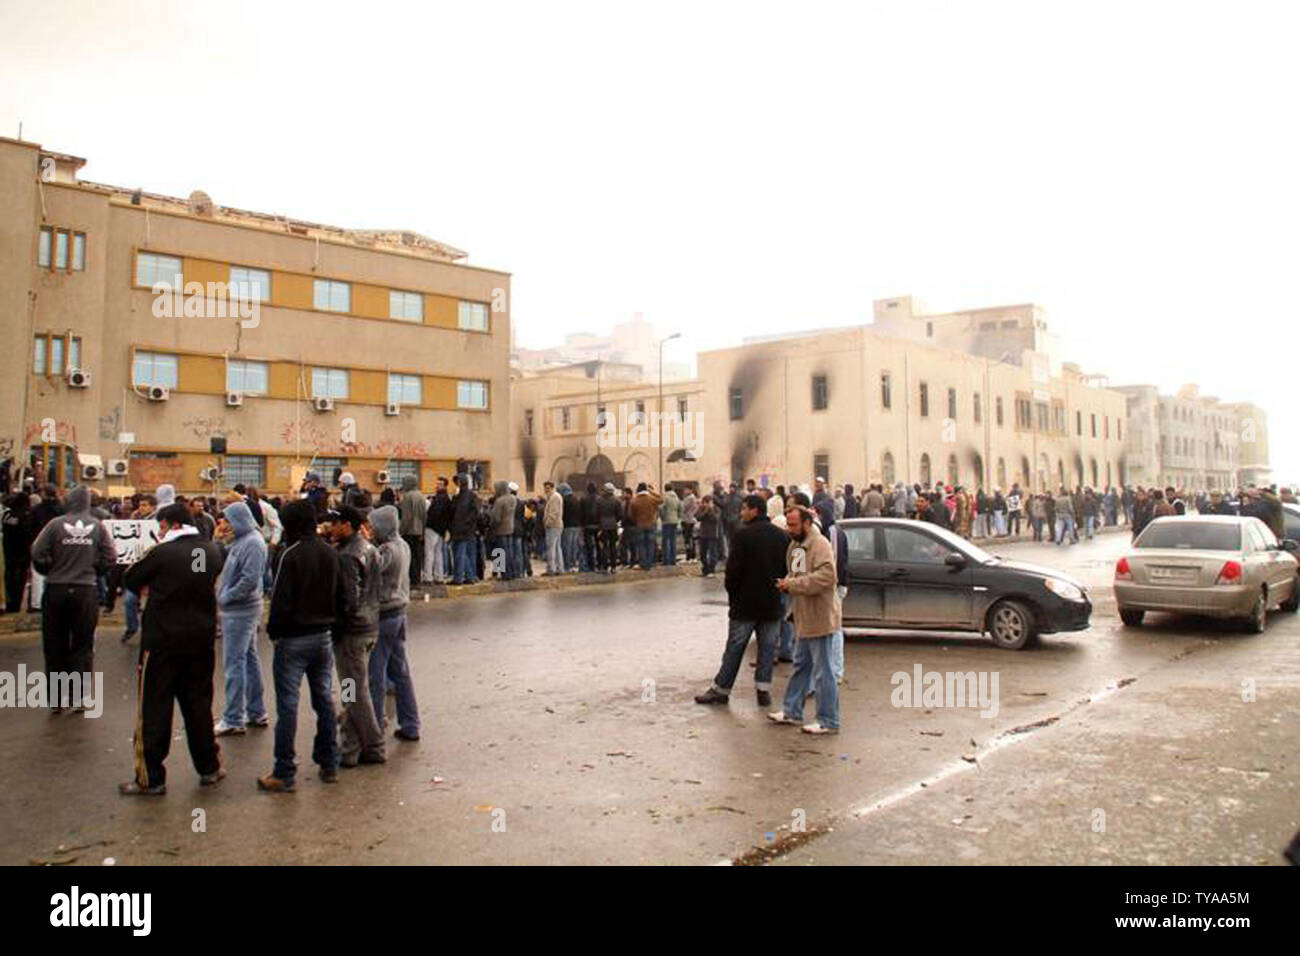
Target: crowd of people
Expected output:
[335,571]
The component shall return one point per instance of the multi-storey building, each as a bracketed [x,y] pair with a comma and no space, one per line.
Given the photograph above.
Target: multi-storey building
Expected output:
[880,403]
[1194,441]
[146,339]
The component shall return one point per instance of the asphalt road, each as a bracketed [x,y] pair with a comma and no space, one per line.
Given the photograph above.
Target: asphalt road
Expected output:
[559,727]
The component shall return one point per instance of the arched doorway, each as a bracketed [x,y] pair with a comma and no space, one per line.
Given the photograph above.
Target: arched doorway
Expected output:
[977,461]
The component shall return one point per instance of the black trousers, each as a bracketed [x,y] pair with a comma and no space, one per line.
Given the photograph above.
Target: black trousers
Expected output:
[166,679]
[69,614]
[17,563]
[688,537]
[607,543]
[416,541]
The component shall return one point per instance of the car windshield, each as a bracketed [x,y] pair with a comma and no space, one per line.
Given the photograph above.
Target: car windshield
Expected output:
[1191,536]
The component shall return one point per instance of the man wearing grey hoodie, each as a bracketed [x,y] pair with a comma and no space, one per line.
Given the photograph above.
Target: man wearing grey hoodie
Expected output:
[239,597]
[412,509]
[503,530]
[71,551]
[388,660]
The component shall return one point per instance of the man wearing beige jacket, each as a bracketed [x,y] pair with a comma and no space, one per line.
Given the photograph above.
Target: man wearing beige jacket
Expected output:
[811,581]
[553,525]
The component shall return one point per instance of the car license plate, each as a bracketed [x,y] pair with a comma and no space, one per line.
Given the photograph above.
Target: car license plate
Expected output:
[1173,574]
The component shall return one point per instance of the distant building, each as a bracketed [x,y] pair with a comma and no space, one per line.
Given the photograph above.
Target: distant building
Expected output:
[629,343]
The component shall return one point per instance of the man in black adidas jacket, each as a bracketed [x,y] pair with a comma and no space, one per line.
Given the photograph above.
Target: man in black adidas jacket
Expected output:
[176,651]
[304,597]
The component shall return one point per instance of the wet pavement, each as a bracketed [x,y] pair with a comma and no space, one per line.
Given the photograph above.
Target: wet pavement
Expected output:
[559,726]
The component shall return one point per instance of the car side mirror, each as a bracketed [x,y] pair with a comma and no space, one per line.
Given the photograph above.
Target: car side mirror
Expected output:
[955,560]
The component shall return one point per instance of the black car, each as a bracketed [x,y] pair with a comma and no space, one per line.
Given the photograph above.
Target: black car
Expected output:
[912,575]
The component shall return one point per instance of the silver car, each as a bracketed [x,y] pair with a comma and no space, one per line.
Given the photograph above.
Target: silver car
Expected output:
[1221,566]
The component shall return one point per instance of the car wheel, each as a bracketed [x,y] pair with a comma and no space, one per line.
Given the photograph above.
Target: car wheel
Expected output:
[1131,618]
[1011,626]
[1292,604]
[1258,619]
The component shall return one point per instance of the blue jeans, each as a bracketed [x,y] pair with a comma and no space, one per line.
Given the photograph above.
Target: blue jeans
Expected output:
[812,668]
[708,555]
[670,544]
[646,544]
[1064,526]
[465,561]
[1089,521]
[554,551]
[501,556]
[131,608]
[738,633]
[785,646]
[388,661]
[311,655]
[242,667]
[837,655]
[570,548]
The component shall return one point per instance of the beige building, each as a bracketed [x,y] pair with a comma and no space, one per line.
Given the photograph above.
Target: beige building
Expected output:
[1194,441]
[881,403]
[556,427]
[299,344]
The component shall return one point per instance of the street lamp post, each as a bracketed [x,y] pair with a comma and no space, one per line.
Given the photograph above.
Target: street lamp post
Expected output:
[659,442]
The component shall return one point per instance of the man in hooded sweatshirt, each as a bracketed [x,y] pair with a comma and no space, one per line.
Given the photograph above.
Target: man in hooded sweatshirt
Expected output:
[388,660]
[239,597]
[502,548]
[413,508]
[71,550]
[356,631]
[303,600]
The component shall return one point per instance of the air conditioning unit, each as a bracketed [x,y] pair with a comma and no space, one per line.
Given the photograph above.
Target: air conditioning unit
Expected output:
[234,399]
[384,478]
[159,393]
[392,408]
[91,472]
[322,404]
[78,378]
[210,473]
[117,467]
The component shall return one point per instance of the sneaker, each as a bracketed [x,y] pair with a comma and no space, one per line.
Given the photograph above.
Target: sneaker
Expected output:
[779,717]
[223,729]
[712,696]
[816,728]
[274,784]
[259,722]
[764,698]
[133,789]
[210,779]
[329,775]
[401,734]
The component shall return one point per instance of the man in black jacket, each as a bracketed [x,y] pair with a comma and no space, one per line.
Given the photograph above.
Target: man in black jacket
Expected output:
[176,651]
[590,506]
[437,522]
[356,630]
[304,598]
[464,527]
[757,562]
[609,511]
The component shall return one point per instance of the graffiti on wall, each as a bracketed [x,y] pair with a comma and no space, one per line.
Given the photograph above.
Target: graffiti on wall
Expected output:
[205,428]
[62,433]
[315,438]
[110,425]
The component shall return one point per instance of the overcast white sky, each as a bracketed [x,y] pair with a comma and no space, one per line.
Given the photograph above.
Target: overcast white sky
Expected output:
[741,169]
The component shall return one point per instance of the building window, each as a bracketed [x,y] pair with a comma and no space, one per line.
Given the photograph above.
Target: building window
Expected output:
[403,389]
[1094,435]
[52,252]
[43,258]
[736,404]
[473,316]
[822,467]
[681,409]
[472,394]
[952,403]
[929,330]
[1002,473]
[250,285]
[330,296]
[925,400]
[925,471]
[399,469]
[600,416]
[1105,425]
[954,477]
[997,410]
[407,306]
[819,395]
[528,422]
[53,346]
[153,368]
[152,270]
[886,400]
[979,412]
[638,418]
[1042,415]
[244,469]
[1119,430]
[1078,423]
[247,377]
[566,419]
[329,383]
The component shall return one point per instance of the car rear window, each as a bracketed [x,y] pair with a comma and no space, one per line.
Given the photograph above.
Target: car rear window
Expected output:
[1191,536]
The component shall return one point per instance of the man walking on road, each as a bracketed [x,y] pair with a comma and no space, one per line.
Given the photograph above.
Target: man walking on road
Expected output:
[177,651]
[811,581]
[757,562]
[303,600]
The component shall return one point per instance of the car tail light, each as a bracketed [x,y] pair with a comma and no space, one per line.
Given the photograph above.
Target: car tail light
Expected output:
[1122,572]
[1230,573]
